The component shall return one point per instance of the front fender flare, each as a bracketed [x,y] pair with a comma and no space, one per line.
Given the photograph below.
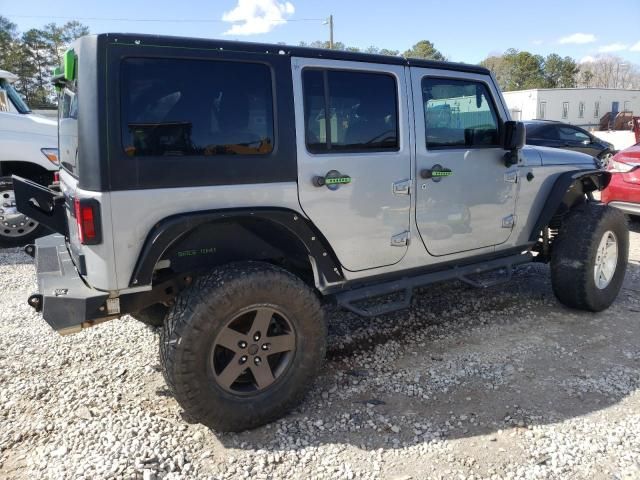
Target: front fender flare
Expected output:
[171,229]
[567,189]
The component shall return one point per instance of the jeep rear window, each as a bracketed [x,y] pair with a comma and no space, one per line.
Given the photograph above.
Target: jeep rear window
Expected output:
[362,106]
[179,107]
[458,114]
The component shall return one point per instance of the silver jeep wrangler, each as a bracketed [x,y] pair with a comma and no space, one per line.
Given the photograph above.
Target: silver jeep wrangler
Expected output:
[224,191]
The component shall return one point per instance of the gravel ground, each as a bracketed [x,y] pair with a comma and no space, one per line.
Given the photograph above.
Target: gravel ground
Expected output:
[468,384]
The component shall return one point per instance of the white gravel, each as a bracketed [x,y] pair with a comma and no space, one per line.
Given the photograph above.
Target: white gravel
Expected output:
[467,384]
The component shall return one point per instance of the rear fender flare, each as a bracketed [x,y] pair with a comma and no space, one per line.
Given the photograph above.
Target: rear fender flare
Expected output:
[568,189]
[171,230]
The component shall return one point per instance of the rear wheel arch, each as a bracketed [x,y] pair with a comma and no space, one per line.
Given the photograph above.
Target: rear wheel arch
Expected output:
[208,239]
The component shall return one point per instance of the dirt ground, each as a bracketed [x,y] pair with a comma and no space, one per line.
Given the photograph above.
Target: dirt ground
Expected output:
[496,383]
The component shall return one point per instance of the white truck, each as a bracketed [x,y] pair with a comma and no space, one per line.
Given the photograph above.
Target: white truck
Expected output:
[28,147]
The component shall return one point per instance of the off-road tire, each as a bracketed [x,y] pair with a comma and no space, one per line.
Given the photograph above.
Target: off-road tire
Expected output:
[199,314]
[153,315]
[574,253]
[6,184]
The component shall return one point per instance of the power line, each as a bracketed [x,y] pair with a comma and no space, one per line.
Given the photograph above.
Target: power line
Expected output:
[158,20]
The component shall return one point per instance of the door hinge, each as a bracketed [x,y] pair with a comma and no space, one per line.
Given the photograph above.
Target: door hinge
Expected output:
[511,176]
[403,187]
[401,239]
[509,221]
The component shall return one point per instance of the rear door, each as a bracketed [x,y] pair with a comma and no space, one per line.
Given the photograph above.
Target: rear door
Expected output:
[354,158]
[466,197]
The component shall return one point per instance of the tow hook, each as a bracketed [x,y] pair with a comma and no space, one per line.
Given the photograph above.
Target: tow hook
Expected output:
[35,301]
[30,250]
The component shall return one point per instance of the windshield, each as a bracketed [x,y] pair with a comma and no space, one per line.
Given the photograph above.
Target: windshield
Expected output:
[15,97]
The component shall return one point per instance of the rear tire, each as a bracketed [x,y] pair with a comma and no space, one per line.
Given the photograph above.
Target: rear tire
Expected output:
[589,257]
[16,230]
[214,365]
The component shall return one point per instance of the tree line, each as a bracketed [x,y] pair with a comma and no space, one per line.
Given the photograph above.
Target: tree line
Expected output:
[33,54]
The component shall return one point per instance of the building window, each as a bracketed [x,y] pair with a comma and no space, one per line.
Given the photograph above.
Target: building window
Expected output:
[596,110]
[542,110]
[565,109]
[581,110]
[627,106]
[350,111]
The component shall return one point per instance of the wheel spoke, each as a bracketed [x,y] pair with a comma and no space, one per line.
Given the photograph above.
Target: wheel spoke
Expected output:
[230,339]
[262,321]
[603,274]
[281,343]
[262,374]
[231,372]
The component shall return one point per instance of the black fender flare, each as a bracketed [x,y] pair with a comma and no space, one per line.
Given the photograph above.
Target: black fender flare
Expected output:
[170,230]
[568,187]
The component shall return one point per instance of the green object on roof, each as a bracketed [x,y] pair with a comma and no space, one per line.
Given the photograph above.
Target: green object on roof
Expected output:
[69,65]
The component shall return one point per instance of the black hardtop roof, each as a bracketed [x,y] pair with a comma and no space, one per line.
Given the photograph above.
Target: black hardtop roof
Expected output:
[186,42]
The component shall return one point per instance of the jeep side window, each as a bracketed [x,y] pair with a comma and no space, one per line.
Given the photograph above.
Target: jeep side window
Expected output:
[458,114]
[176,107]
[362,106]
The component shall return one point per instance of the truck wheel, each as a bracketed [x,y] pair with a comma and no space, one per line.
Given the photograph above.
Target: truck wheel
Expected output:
[589,257]
[153,316]
[242,344]
[15,228]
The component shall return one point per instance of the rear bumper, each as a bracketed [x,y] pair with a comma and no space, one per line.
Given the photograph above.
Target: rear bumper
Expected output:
[627,207]
[66,302]
[622,195]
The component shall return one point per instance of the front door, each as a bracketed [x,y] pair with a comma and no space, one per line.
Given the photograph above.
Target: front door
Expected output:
[466,196]
[354,160]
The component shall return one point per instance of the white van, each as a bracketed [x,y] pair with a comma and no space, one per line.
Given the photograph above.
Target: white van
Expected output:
[28,147]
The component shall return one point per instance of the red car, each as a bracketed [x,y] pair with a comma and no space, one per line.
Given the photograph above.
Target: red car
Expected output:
[624,190]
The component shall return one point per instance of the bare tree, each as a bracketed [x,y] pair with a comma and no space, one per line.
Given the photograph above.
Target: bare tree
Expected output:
[609,71]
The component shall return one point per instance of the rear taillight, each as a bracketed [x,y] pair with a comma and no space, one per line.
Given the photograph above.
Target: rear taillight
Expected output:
[87,213]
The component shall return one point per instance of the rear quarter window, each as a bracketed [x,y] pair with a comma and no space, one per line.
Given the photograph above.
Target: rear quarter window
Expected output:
[183,107]
[68,129]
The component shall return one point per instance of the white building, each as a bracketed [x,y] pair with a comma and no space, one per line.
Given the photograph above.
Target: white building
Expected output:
[577,106]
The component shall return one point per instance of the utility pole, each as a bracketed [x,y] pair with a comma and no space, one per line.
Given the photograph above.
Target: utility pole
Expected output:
[618,71]
[331,31]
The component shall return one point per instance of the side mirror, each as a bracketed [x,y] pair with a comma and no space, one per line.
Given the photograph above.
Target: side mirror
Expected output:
[514,135]
[513,139]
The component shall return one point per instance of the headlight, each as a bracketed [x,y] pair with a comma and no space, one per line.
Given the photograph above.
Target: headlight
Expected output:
[619,167]
[51,154]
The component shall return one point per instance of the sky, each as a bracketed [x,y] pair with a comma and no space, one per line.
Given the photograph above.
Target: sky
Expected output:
[464,30]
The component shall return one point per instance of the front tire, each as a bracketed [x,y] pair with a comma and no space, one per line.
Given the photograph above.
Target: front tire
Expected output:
[242,344]
[589,257]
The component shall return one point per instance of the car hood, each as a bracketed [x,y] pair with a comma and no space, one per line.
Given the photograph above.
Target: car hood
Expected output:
[557,156]
[631,154]
[28,123]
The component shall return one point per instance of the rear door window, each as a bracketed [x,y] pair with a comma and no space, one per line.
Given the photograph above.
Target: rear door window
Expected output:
[362,111]
[458,114]
[183,107]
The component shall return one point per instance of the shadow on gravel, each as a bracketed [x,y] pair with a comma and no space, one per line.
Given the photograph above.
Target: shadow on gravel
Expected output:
[549,364]
[634,224]
[14,256]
